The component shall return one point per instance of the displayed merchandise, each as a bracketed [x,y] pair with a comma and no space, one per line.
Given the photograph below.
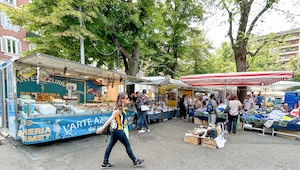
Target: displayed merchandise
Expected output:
[145,108]
[210,136]
[46,109]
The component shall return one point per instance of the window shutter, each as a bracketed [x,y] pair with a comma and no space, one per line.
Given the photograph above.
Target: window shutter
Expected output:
[3,19]
[3,44]
[20,47]
[17,28]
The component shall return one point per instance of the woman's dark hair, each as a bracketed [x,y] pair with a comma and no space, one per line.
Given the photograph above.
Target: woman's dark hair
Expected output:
[144,91]
[119,99]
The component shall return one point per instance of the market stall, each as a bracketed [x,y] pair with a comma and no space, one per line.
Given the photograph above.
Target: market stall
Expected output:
[262,79]
[51,98]
[165,104]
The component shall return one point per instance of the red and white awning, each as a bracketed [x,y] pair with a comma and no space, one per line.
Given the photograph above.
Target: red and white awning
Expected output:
[238,78]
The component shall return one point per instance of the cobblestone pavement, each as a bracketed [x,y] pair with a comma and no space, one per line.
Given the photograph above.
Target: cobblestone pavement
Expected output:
[162,148]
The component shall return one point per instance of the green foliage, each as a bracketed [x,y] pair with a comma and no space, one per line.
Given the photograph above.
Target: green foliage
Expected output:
[176,32]
[225,59]
[197,58]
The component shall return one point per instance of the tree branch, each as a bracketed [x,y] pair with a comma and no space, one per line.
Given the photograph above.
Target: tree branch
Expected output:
[230,26]
[116,42]
[269,3]
[257,50]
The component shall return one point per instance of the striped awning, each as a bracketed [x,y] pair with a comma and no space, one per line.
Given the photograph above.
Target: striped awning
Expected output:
[238,78]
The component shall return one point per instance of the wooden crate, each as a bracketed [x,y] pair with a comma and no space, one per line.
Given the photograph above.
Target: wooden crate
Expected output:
[290,134]
[209,143]
[198,121]
[192,139]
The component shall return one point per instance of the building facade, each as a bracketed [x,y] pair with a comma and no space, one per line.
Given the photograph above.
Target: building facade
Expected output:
[291,46]
[12,37]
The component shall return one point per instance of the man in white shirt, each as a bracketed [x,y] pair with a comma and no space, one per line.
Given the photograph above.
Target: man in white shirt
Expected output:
[248,103]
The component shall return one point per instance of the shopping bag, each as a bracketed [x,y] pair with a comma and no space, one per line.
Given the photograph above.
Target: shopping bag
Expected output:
[145,108]
[126,130]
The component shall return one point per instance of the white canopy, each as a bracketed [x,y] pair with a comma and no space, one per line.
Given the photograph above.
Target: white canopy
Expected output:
[163,81]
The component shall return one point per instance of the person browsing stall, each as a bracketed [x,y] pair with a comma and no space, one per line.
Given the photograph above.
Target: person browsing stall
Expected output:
[248,103]
[118,121]
[259,100]
[212,116]
[235,105]
[143,99]
[182,107]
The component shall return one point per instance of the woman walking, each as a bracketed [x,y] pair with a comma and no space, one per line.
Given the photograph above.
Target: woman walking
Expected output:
[118,120]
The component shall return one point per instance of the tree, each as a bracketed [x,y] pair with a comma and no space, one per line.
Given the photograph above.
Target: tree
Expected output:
[225,59]
[177,31]
[196,58]
[267,58]
[105,25]
[245,26]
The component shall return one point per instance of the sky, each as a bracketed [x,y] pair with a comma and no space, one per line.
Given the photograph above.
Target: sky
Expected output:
[216,27]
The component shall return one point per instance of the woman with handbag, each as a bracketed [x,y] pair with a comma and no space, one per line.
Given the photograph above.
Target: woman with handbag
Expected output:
[235,105]
[118,120]
[143,99]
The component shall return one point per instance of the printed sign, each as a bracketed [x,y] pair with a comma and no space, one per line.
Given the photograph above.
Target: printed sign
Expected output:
[46,129]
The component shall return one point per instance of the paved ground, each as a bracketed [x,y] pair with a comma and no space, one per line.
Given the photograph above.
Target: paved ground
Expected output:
[163,148]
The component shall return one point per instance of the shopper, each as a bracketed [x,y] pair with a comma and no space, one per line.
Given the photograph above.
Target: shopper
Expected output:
[143,99]
[191,105]
[205,99]
[198,103]
[118,120]
[182,107]
[235,105]
[248,103]
[259,100]
[212,116]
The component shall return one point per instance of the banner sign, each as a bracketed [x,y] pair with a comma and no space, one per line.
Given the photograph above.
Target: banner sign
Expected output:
[40,130]
[52,86]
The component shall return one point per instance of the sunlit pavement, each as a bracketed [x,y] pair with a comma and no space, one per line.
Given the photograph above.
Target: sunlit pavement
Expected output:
[162,148]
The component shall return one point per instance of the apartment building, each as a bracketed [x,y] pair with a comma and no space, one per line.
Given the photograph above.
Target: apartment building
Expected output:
[11,36]
[291,46]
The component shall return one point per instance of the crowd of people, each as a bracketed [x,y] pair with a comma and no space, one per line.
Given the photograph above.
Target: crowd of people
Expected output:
[189,104]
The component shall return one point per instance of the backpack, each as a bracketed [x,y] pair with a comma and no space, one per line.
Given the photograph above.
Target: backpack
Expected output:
[209,107]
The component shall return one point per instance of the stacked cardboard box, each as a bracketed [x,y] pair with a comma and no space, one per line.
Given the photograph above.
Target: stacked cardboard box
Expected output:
[192,139]
[209,143]
[198,121]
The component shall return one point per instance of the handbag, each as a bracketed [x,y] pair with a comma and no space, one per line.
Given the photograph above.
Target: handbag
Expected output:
[227,109]
[144,108]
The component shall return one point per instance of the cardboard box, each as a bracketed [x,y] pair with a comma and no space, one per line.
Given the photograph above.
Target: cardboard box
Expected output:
[198,121]
[208,143]
[192,139]
[205,123]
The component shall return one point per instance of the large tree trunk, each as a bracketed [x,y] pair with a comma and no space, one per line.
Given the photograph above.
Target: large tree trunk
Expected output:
[241,66]
[134,60]
[131,62]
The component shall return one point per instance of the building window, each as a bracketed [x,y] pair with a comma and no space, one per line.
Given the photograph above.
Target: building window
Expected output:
[291,49]
[5,22]
[31,47]
[10,2]
[282,57]
[10,45]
